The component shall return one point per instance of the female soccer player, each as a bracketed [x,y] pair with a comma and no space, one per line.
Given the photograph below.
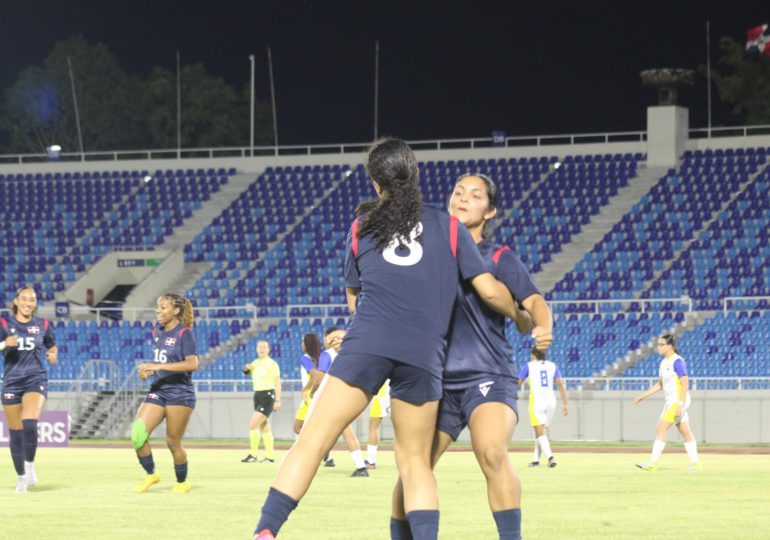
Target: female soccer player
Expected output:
[25,380]
[673,380]
[266,379]
[171,394]
[403,263]
[311,347]
[543,375]
[480,386]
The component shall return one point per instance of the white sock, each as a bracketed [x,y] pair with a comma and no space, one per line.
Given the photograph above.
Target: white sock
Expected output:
[545,446]
[657,450]
[692,450]
[358,459]
[536,454]
[371,453]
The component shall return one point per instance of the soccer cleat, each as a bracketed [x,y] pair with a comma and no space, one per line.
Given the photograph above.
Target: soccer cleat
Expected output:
[329,463]
[264,535]
[148,481]
[267,460]
[695,466]
[181,487]
[551,462]
[370,465]
[360,472]
[21,485]
[647,466]
[249,459]
[534,464]
[30,474]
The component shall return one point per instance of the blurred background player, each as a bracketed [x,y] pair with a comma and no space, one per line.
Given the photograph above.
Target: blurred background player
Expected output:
[25,380]
[542,375]
[266,379]
[479,379]
[675,383]
[309,375]
[379,409]
[333,337]
[403,263]
[171,395]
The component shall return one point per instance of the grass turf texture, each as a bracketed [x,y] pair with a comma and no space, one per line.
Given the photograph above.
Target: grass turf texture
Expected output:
[87,493]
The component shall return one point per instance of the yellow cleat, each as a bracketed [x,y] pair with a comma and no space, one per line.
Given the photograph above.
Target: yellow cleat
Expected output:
[647,466]
[695,466]
[149,480]
[181,487]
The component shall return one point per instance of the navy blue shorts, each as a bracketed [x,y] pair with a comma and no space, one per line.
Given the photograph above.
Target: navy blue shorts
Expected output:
[171,395]
[14,390]
[456,407]
[369,372]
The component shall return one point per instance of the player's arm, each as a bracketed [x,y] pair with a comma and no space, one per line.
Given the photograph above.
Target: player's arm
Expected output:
[650,391]
[495,294]
[52,354]
[247,368]
[277,381]
[352,295]
[190,363]
[542,318]
[563,391]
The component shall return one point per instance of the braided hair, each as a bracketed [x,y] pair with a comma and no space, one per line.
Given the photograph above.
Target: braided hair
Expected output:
[186,315]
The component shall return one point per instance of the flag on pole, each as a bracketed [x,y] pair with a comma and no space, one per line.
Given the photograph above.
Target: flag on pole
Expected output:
[758,40]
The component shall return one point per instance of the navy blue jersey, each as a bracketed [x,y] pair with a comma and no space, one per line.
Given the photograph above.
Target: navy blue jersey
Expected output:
[26,359]
[407,293]
[169,347]
[478,348]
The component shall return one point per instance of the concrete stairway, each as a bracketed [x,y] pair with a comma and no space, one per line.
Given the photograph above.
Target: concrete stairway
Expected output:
[564,261]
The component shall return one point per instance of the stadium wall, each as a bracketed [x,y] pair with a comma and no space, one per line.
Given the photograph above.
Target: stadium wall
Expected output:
[716,416]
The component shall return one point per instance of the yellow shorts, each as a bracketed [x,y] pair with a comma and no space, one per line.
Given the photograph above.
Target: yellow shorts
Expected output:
[669,413]
[302,412]
[381,402]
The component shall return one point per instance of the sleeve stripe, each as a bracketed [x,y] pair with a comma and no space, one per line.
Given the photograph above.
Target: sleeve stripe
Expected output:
[498,253]
[354,240]
[453,234]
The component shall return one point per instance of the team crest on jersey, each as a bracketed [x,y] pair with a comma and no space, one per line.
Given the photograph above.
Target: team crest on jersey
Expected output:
[152,396]
[485,386]
[169,342]
[33,329]
[9,395]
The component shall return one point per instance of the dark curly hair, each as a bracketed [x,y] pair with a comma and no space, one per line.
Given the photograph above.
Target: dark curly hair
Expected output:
[491,196]
[392,164]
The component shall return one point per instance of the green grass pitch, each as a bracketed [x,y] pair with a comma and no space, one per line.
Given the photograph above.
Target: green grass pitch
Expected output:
[87,493]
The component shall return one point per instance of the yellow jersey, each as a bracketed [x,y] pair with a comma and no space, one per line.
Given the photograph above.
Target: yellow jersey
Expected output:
[263,373]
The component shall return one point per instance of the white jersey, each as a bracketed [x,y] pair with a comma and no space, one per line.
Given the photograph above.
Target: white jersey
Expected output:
[671,371]
[541,375]
[332,354]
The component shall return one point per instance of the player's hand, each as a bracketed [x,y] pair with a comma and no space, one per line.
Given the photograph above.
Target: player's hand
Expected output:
[11,341]
[638,400]
[565,409]
[246,369]
[276,405]
[542,338]
[678,411]
[51,356]
[336,343]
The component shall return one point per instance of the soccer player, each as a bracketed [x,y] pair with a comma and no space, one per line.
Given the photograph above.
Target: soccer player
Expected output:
[403,263]
[379,409]
[266,378]
[542,375]
[23,337]
[310,376]
[479,380]
[171,395]
[675,383]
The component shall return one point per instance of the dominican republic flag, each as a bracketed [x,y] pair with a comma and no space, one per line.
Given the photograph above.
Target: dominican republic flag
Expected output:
[758,40]
[33,329]
[169,342]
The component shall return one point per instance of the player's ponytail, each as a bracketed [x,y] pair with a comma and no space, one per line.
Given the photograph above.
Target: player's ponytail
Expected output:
[670,339]
[186,314]
[393,165]
[312,347]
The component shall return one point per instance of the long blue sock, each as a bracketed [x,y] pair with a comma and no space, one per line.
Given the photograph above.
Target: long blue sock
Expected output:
[400,530]
[17,449]
[424,524]
[148,463]
[508,524]
[275,511]
[181,472]
[30,439]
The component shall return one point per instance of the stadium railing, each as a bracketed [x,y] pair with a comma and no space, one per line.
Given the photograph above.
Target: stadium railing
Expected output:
[737,303]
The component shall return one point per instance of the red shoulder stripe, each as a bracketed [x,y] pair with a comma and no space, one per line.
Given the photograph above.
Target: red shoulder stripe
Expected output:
[154,330]
[453,234]
[496,255]
[45,324]
[182,331]
[4,323]
[354,240]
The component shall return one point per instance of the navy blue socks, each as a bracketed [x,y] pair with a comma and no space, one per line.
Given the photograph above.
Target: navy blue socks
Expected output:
[17,450]
[148,463]
[508,524]
[181,472]
[275,511]
[424,524]
[30,439]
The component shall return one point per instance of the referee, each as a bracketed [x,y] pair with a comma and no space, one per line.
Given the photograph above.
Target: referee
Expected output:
[266,378]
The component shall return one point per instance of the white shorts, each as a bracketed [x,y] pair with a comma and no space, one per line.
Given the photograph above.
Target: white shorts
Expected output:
[669,412]
[541,414]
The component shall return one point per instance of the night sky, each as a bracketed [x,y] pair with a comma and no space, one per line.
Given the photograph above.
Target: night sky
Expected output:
[447,70]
